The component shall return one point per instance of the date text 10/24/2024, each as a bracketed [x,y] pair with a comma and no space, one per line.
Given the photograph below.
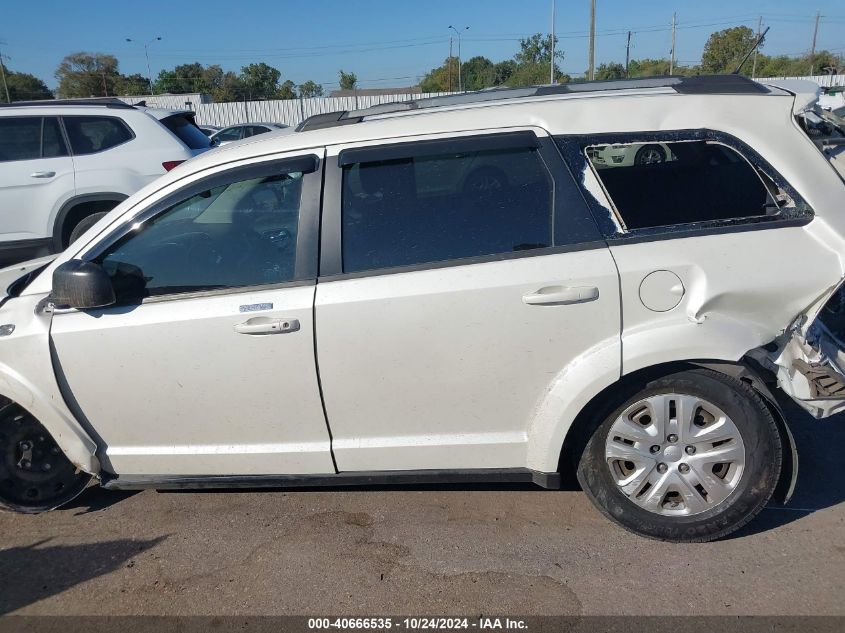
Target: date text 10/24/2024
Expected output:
[417,623]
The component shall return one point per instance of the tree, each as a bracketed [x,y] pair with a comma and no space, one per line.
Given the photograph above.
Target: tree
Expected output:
[87,75]
[348,81]
[478,72]
[260,81]
[24,87]
[725,49]
[533,62]
[286,91]
[613,70]
[310,89]
[443,78]
[183,79]
[135,84]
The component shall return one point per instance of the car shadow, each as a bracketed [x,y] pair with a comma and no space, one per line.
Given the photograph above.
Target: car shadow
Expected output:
[95,499]
[38,571]
[821,479]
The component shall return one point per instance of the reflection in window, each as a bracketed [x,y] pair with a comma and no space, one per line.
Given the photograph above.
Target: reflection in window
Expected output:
[234,235]
[437,208]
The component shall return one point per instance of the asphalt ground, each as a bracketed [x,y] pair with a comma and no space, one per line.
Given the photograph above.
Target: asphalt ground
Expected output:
[436,550]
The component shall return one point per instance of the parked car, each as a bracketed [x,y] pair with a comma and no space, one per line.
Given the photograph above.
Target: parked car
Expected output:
[244,130]
[619,155]
[334,306]
[209,130]
[64,164]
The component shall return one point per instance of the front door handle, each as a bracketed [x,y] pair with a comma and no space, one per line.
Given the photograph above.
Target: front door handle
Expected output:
[42,174]
[267,325]
[561,295]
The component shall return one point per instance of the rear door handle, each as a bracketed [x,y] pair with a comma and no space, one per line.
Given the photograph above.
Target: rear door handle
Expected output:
[42,174]
[267,325]
[561,295]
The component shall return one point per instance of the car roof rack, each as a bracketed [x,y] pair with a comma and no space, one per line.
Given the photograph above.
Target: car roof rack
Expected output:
[106,102]
[700,85]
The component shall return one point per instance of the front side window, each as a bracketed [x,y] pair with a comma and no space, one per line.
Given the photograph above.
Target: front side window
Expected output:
[423,209]
[229,236]
[28,138]
[683,182]
[91,134]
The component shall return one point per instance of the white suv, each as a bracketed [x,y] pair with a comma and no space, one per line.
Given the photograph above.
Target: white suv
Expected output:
[450,290]
[63,164]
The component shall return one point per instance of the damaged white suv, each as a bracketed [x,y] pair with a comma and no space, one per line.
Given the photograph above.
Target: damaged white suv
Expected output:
[451,290]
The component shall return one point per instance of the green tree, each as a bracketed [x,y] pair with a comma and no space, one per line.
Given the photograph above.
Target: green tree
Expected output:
[533,62]
[286,91]
[135,84]
[87,75]
[478,72]
[24,87]
[443,78]
[260,81]
[612,70]
[183,79]
[348,81]
[310,89]
[648,67]
[725,49]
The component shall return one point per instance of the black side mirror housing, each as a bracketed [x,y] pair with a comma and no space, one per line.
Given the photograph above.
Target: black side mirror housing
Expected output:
[80,284]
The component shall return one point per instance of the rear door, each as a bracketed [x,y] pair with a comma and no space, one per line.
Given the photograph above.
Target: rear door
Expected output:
[36,175]
[459,277]
[206,364]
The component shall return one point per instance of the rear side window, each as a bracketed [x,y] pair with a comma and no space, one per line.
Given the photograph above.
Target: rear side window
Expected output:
[229,134]
[253,130]
[667,183]
[187,131]
[423,209]
[92,134]
[30,138]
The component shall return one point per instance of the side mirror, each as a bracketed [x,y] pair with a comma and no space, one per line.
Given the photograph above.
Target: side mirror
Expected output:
[80,284]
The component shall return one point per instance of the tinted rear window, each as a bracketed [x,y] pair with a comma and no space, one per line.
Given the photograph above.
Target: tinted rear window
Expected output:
[92,134]
[187,131]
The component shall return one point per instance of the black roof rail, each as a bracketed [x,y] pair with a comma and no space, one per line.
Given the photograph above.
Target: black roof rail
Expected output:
[699,84]
[106,102]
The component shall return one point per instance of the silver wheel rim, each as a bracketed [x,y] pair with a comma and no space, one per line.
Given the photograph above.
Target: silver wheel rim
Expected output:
[651,156]
[675,454]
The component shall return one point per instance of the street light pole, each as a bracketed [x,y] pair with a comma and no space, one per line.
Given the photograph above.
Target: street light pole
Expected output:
[147,55]
[460,78]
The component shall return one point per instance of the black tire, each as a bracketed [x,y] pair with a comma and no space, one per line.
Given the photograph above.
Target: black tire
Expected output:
[759,477]
[648,155]
[35,476]
[84,224]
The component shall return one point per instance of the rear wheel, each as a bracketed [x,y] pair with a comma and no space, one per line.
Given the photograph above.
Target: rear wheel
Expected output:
[690,457]
[35,475]
[650,155]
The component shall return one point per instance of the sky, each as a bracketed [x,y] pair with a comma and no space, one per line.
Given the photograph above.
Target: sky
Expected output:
[385,42]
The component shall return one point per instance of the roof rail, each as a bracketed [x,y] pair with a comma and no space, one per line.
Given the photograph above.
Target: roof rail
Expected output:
[106,102]
[701,84]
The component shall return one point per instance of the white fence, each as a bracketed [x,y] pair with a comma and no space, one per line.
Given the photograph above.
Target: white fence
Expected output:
[825,81]
[290,111]
[293,111]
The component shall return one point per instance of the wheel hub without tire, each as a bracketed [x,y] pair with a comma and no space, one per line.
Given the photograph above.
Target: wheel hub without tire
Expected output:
[675,454]
[34,473]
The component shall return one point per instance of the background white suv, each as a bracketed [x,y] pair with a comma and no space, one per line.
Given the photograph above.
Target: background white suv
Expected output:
[63,164]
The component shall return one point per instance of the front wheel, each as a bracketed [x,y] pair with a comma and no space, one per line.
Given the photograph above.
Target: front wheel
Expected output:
[690,457]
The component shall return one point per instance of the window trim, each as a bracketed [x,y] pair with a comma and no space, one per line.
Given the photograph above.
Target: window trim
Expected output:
[305,267]
[63,117]
[566,198]
[573,147]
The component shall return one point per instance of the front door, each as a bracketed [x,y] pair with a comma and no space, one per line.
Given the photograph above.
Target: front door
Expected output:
[466,274]
[206,365]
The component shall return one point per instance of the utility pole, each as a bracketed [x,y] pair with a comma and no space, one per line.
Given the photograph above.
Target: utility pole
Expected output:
[450,63]
[552,70]
[460,79]
[754,63]
[813,50]
[591,74]
[147,55]
[627,55]
[672,58]
[3,74]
